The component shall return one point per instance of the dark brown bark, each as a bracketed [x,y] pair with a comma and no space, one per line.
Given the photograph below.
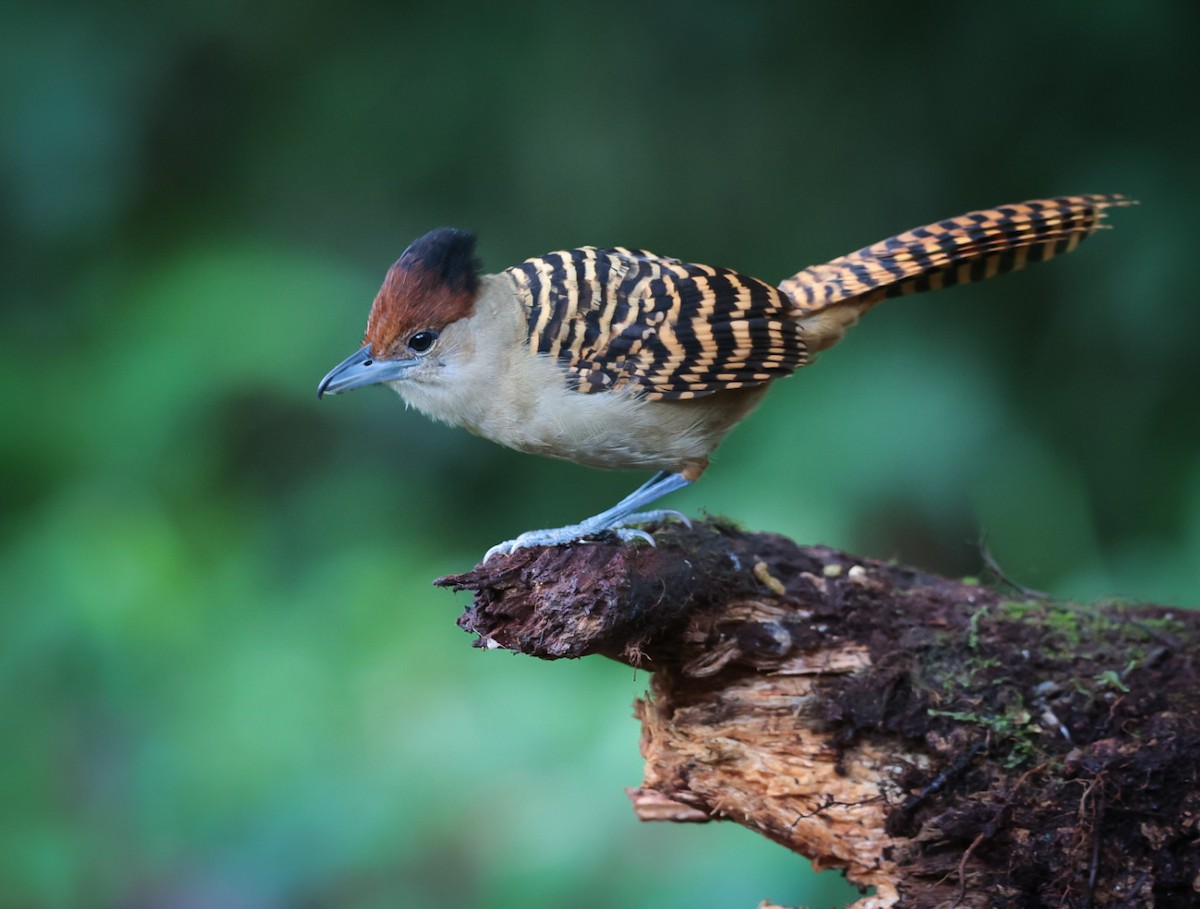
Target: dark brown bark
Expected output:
[944,742]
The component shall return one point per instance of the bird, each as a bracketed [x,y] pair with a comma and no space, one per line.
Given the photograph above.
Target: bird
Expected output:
[620,359]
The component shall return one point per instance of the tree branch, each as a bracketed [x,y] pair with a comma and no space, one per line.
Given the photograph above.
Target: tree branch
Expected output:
[935,739]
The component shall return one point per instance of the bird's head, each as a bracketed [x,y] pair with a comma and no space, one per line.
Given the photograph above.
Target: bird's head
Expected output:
[430,287]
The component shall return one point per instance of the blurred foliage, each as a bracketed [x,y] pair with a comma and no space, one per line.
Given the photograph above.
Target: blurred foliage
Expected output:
[226,680]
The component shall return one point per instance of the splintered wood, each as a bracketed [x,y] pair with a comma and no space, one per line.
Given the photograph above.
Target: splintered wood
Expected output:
[748,752]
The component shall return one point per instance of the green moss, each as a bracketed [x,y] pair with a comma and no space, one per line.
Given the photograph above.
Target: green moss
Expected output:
[1088,650]
[1011,732]
[1110,679]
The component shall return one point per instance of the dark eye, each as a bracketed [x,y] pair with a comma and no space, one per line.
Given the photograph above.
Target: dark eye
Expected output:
[422,341]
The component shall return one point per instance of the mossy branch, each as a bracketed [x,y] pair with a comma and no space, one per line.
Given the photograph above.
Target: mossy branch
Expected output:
[940,741]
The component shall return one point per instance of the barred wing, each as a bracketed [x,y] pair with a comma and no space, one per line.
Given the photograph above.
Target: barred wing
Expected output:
[616,318]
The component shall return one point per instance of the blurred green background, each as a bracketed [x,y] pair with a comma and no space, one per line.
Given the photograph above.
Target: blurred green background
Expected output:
[226,679]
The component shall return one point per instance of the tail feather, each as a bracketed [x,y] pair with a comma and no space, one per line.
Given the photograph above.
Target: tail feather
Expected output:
[971,247]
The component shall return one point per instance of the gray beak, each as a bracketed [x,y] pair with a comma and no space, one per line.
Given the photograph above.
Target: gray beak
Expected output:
[361,369]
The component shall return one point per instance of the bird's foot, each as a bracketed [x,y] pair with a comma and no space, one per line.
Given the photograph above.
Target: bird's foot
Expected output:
[560,536]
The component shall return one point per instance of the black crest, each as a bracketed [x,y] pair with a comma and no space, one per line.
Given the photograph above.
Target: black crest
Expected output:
[448,255]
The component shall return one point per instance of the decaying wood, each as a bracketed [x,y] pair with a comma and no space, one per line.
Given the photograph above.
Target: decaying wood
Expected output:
[940,741]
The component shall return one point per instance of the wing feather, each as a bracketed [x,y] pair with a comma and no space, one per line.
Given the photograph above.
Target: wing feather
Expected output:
[667,330]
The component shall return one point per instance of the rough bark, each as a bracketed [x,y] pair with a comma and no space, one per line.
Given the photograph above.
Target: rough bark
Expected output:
[943,742]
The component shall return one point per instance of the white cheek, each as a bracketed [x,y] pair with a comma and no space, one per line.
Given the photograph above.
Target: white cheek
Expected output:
[442,389]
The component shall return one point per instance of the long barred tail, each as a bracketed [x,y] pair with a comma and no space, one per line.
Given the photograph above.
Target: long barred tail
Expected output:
[971,247]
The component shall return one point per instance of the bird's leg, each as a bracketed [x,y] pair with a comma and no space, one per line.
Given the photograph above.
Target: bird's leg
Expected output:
[615,519]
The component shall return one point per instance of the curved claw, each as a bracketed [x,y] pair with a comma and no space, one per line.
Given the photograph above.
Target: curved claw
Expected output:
[500,549]
[626,534]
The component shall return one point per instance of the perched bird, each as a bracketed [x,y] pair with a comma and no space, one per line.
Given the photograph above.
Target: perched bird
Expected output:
[624,360]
